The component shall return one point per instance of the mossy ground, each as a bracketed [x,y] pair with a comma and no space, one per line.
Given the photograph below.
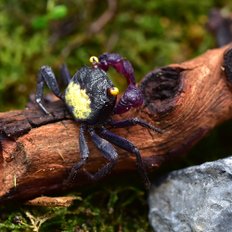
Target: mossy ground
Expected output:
[102,208]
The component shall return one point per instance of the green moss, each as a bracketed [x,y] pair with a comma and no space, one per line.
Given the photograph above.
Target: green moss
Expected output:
[108,209]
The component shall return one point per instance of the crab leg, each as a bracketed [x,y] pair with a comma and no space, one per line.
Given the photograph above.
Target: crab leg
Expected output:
[108,152]
[133,122]
[65,74]
[47,76]
[130,147]
[84,153]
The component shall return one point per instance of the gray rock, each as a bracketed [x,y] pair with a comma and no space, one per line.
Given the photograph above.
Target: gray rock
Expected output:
[195,199]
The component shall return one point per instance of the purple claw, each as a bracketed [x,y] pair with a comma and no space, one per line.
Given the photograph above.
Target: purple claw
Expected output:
[131,98]
[120,64]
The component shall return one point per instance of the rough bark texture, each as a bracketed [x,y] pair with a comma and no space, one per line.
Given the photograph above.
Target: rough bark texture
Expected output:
[185,100]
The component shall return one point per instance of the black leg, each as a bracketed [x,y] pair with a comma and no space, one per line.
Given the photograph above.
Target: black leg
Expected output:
[47,76]
[108,152]
[84,153]
[65,74]
[39,93]
[130,147]
[132,122]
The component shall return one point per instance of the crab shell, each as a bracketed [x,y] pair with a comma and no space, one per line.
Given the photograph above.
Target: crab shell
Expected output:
[88,97]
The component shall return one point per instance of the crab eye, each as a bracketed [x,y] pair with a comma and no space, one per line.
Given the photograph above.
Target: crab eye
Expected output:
[113,91]
[93,60]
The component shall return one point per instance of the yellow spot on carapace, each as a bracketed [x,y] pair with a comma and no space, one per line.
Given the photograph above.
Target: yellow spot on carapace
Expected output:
[78,100]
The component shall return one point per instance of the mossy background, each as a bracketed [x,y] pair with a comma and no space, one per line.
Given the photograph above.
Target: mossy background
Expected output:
[149,33]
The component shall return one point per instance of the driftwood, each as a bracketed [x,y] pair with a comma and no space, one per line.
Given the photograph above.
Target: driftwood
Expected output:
[185,100]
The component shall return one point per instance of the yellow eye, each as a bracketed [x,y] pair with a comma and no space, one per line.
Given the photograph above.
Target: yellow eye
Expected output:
[114,91]
[93,59]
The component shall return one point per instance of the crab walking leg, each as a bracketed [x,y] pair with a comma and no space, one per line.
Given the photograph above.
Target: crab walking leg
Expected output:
[47,76]
[84,153]
[132,122]
[39,93]
[65,74]
[108,152]
[130,147]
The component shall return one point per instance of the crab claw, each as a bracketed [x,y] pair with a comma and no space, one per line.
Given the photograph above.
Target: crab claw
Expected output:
[132,98]
[120,64]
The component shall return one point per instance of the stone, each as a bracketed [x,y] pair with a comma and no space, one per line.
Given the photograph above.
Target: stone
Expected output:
[197,198]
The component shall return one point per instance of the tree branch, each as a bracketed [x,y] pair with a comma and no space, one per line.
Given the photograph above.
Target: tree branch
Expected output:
[185,100]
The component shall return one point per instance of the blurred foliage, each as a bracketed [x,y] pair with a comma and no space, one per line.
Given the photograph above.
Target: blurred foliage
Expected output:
[149,33]
[53,32]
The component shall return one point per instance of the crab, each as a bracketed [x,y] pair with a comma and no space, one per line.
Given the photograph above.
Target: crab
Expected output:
[91,98]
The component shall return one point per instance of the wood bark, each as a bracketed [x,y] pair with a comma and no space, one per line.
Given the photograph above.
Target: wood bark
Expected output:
[185,100]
